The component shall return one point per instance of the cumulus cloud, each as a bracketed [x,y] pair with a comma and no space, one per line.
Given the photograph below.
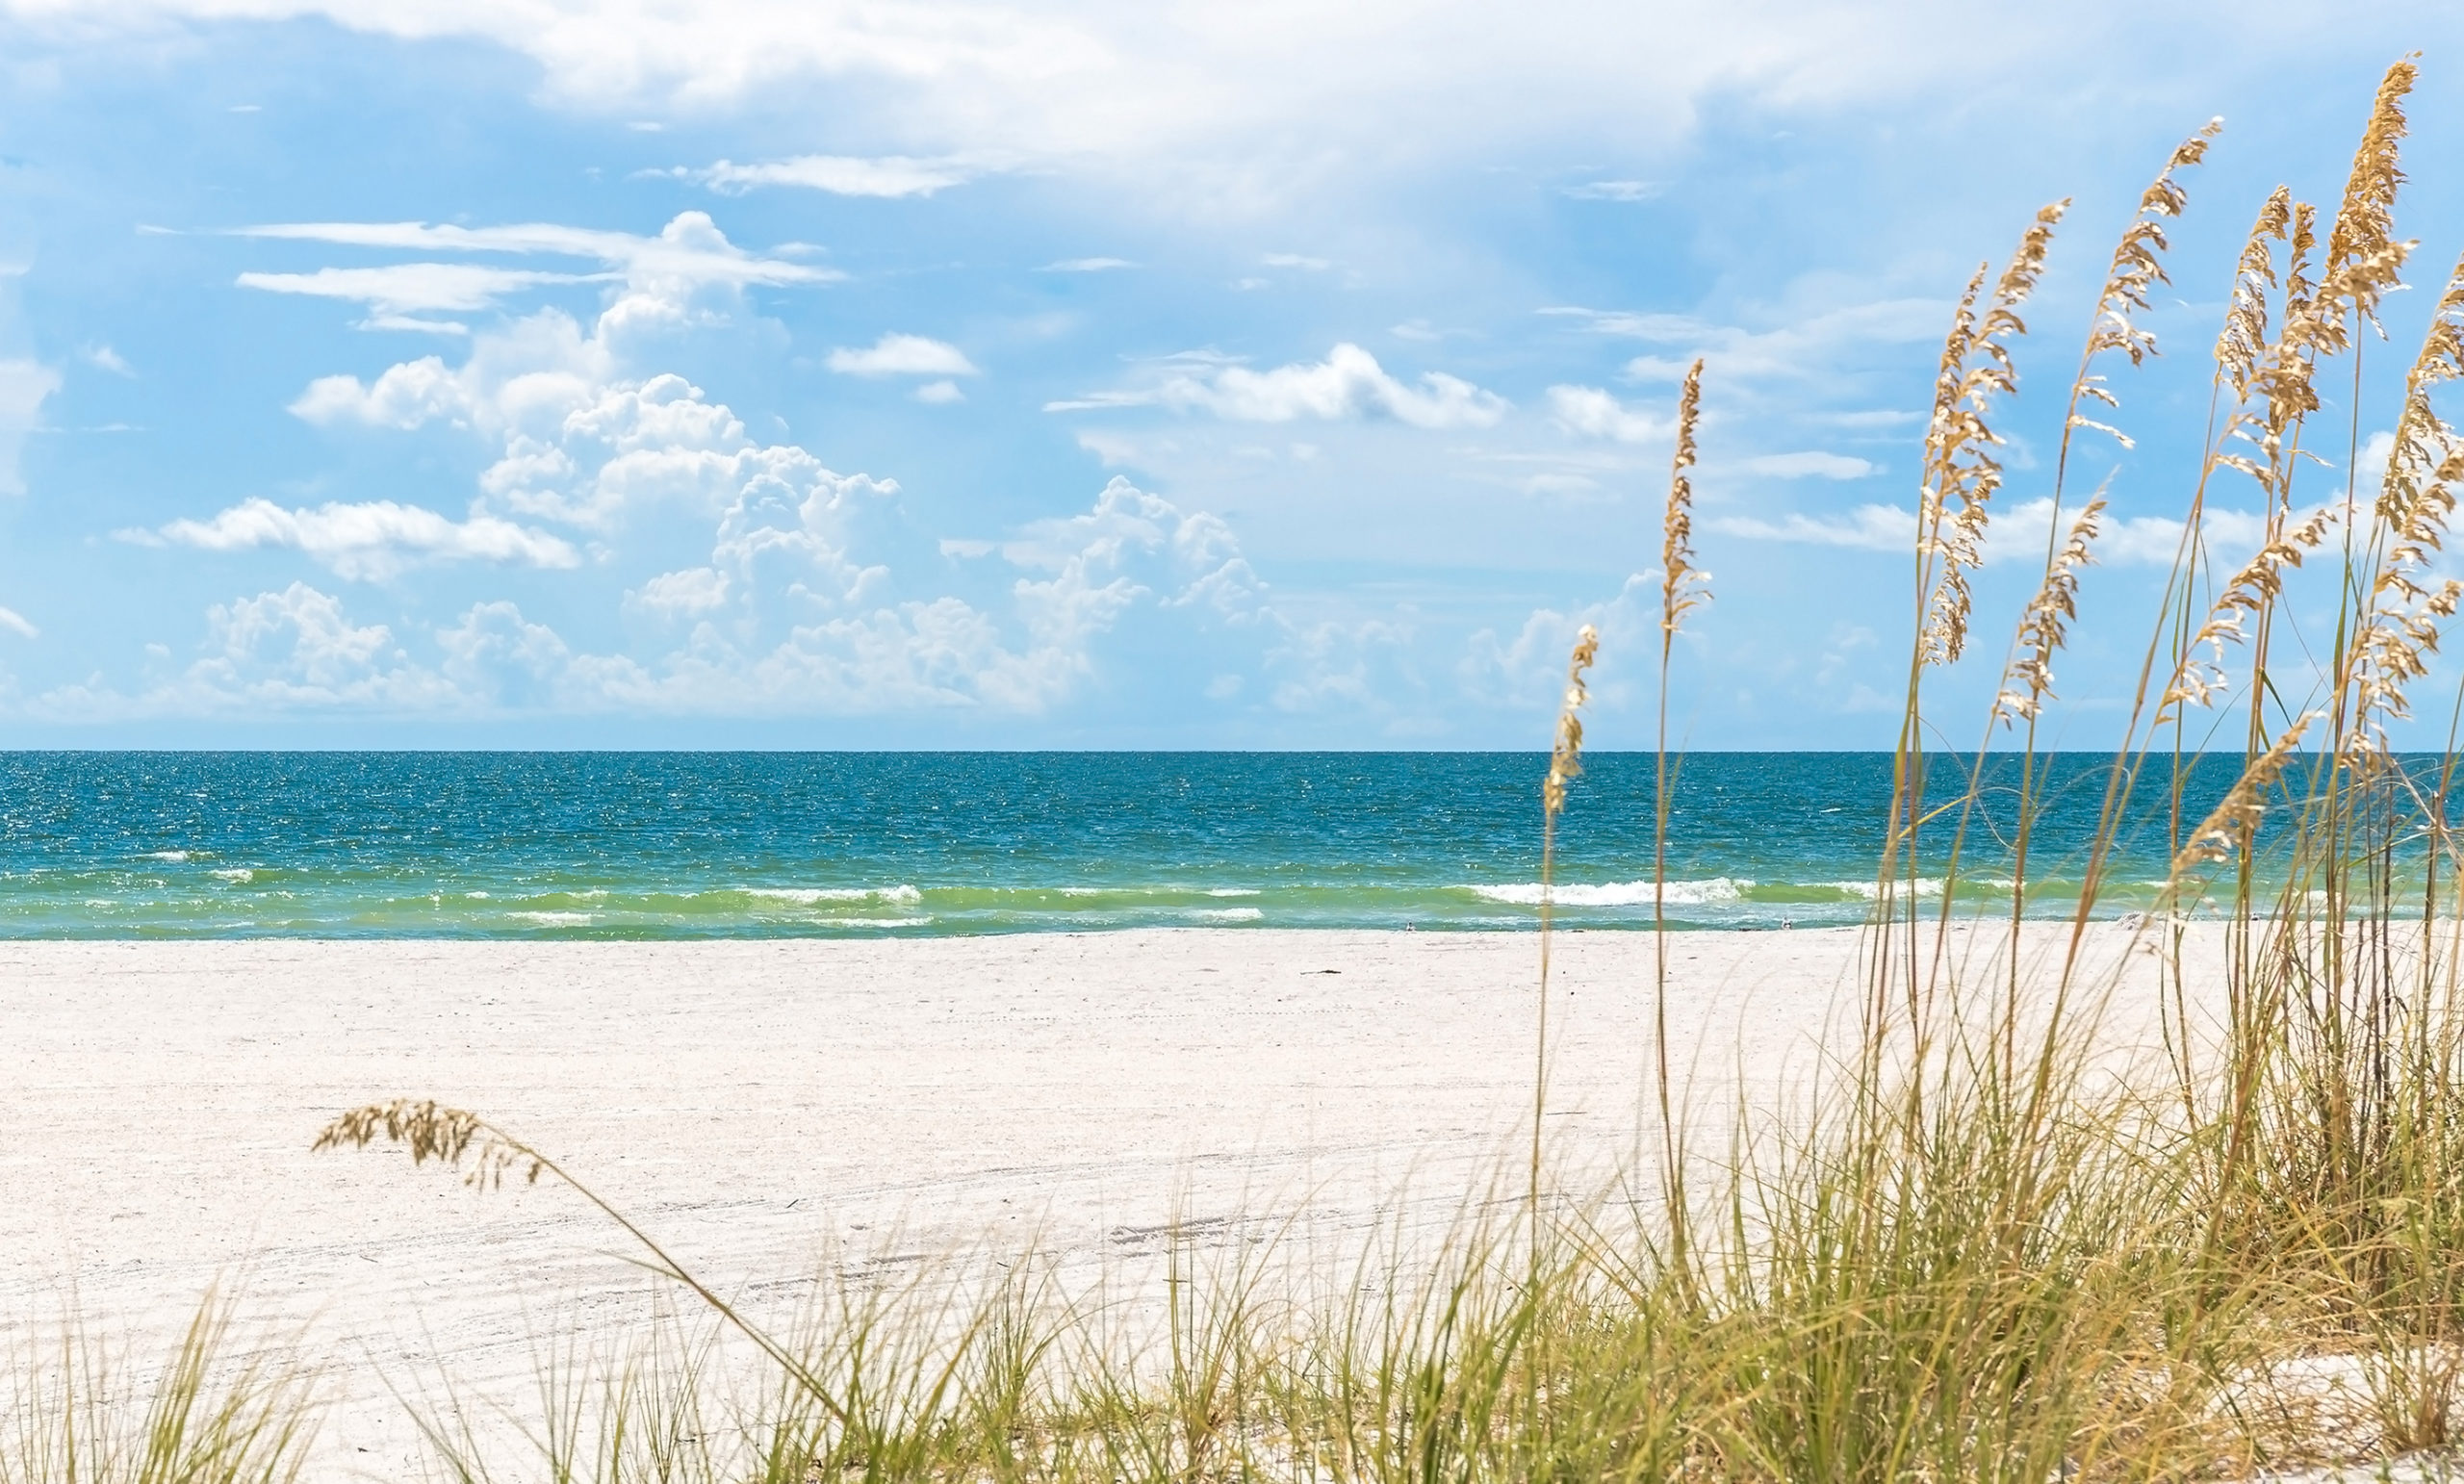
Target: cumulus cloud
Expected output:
[403,397]
[1597,414]
[1347,383]
[890,176]
[372,540]
[903,355]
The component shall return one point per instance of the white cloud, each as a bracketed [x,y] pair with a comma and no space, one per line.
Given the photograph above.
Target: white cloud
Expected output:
[1348,383]
[690,249]
[691,591]
[397,293]
[1296,260]
[1806,346]
[1614,190]
[19,623]
[1111,79]
[2017,533]
[294,650]
[903,355]
[1810,464]
[890,176]
[372,540]
[1867,528]
[782,620]
[1596,414]
[403,397]
[107,359]
[1086,266]
[24,385]
[1526,671]
[939,392]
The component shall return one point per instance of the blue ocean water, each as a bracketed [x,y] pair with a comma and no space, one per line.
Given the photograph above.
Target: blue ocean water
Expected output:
[782,844]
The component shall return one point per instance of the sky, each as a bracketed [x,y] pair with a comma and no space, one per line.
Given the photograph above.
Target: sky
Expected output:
[1094,373]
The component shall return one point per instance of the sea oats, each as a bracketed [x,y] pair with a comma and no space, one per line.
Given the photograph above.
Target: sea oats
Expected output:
[1960,468]
[2244,338]
[2363,259]
[1565,754]
[430,1132]
[2137,266]
[2259,584]
[2229,827]
[1683,586]
[2030,677]
[2416,497]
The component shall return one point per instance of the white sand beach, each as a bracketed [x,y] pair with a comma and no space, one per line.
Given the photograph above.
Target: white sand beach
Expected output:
[756,1105]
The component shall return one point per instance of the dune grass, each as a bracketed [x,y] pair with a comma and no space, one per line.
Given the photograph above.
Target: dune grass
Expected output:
[1990,1248]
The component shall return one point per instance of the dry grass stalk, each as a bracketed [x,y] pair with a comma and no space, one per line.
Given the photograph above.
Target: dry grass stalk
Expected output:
[1565,754]
[1565,764]
[2416,497]
[448,1136]
[2278,373]
[2257,586]
[2244,338]
[2364,258]
[2044,627]
[1960,468]
[1683,586]
[2136,268]
[2231,825]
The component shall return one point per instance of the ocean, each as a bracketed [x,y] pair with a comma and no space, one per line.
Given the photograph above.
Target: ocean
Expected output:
[796,844]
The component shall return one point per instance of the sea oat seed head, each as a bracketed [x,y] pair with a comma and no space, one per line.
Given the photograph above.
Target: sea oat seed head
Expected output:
[2236,819]
[2030,677]
[1565,754]
[2363,256]
[1975,366]
[445,1135]
[1683,586]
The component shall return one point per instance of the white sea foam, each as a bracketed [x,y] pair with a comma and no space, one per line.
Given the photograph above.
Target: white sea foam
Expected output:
[1232,891]
[1926,887]
[885,922]
[236,874]
[172,855]
[813,896]
[1227,915]
[556,919]
[476,896]
[1700,894]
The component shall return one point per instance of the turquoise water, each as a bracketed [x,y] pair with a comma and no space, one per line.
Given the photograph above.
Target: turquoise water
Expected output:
[780,844]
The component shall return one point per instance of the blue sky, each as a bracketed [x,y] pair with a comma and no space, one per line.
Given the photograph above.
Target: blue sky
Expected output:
[1097,374]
